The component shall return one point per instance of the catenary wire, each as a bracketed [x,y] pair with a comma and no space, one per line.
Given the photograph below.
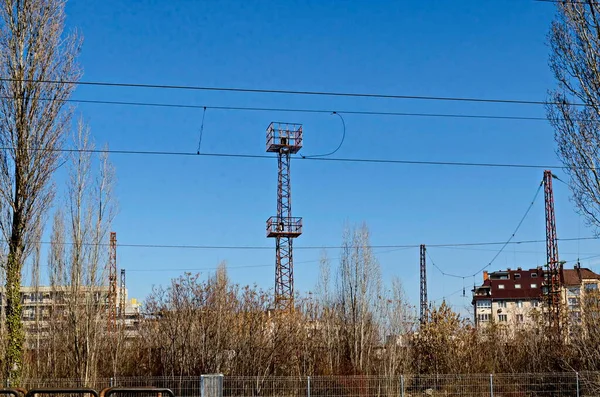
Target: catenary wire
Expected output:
[439,269]
[297,110]
[334,159]
[537,192]
[187,269]
[505,244]
[314,247]
[288,92]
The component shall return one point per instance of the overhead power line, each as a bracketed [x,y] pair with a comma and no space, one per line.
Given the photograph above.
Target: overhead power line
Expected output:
[313,247]
[305,110]
[439,269]
[537,192]
[329,159]
[288,92]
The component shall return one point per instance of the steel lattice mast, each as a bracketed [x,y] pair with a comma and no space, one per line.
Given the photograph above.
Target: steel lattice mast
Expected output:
[553,267]
[122,298]
[112,283]
[423,301]
[284,139]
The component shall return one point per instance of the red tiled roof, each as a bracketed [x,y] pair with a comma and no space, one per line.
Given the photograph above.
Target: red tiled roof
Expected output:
[525,280]
[575,276]
[569,277]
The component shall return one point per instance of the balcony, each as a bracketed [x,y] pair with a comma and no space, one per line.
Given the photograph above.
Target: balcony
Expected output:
[284,227]
[284,136]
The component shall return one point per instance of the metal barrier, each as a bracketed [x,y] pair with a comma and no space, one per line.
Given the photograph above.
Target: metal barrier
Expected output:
[83,392]
[160,392]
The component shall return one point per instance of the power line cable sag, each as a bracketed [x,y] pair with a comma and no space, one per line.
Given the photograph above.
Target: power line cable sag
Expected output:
[439,269]
[332,159]
[289,92]
[537,192]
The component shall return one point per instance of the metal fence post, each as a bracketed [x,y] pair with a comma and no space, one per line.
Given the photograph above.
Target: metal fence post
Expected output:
[491,385]
[401,385]
[308,386]
[211,385]
[577,380]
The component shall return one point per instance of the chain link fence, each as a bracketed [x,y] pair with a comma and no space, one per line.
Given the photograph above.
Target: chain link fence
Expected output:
[582,384]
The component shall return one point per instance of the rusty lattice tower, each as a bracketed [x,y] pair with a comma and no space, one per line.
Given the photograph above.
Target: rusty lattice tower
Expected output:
[553,267]
[423,301]
[284,139]
[112,283]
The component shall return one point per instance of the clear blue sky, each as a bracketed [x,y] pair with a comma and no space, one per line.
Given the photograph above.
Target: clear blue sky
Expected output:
[468,48]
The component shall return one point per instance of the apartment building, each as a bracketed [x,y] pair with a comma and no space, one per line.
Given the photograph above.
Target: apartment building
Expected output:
[577,283]
[40,303]
[514,297]
[508,296]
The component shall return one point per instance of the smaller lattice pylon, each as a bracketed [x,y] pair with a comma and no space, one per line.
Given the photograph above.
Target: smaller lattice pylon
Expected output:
[423,281]
[112,283]
[122,296]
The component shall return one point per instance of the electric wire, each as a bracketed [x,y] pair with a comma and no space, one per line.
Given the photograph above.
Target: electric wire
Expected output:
[201,130]
[304,247]
[439,269]
[537,192]
[332,159]
[243,266]
[289,92]
[294,110]
[338,147]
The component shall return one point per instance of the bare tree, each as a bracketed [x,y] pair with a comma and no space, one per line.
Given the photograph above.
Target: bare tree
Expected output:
[79,271]
[33,121]
[574,106]
[359,287]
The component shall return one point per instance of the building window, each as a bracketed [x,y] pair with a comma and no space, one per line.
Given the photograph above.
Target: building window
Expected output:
[517,286]
[533,275]
[573,291]
[502,304]
[519,318]
[591,287]
[533,285]
[484,304]
[500,286]
[502,318]
[573,302]
[517,276]
[519,304]
[535,303]
[483,317]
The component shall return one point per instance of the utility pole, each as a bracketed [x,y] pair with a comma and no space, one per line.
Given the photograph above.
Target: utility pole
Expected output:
[122,298]
[423,306]
[284,139]
[553,266]
[112,283]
